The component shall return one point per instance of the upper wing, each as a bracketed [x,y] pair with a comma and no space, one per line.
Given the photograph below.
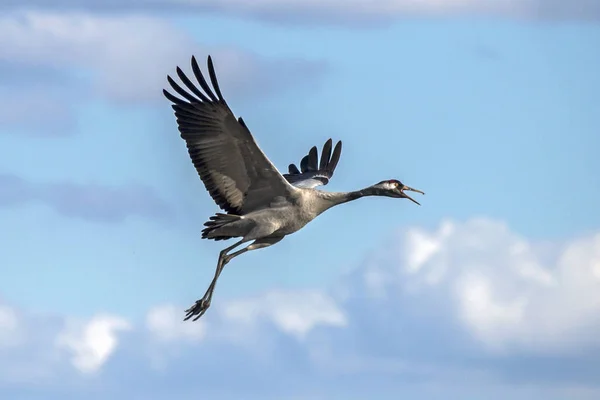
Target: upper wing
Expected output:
[236,173]
[312,175]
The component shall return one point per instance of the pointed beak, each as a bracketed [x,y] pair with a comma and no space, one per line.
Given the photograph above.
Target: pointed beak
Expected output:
[408,188]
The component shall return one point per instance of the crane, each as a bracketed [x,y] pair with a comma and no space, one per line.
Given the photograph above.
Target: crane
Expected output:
[261,205]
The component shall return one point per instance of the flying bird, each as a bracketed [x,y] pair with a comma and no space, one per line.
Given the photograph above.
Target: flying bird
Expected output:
[261,205]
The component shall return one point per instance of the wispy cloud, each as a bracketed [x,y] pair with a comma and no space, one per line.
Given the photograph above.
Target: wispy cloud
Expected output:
[467,302]
[336,11]
[85,201]
[121,58]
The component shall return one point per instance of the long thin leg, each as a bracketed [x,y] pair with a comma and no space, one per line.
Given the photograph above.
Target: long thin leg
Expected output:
[200,307]
[203,304]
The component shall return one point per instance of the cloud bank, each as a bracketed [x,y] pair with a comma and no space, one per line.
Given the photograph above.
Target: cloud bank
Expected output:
[458,311]
[336,11]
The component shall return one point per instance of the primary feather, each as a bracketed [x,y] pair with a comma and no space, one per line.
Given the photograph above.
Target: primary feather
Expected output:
[312,172]
[236,173]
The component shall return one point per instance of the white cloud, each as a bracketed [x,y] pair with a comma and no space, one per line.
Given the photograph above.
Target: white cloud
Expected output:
[166,324]
[501,309]
[293,312]
[499,286]
[9,326]
[92,343]
[128,56]
[486,314]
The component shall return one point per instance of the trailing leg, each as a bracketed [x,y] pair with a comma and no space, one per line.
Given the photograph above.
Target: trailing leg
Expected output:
[200,307]
[203,304]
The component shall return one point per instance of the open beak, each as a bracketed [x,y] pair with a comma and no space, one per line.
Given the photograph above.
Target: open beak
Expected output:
[410,190]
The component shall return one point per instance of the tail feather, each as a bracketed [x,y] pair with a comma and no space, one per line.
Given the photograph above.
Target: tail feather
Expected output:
[215,222]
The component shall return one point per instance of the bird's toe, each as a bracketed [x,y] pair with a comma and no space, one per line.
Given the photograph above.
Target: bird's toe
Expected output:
[198,309]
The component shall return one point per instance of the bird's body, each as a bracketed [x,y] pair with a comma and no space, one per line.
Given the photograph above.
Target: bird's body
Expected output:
[262,205]
[282,217]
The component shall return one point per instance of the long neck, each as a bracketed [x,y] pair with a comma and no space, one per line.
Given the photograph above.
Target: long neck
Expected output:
[332,199]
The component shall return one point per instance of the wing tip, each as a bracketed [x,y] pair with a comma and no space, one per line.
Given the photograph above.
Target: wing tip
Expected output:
[209,94]
[335,158]
[213,79]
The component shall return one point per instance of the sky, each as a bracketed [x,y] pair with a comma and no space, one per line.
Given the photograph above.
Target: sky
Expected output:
[489,290]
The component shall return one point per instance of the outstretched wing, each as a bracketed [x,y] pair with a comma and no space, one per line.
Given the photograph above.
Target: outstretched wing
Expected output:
[235,171]
[313,173]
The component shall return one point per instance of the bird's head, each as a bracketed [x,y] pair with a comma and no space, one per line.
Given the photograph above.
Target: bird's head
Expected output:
[395,188]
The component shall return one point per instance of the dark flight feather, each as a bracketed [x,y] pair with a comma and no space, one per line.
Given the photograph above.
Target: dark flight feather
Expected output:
[234,170]
[313,172]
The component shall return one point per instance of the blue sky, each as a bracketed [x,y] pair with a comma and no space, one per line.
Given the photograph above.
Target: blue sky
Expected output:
[490,289]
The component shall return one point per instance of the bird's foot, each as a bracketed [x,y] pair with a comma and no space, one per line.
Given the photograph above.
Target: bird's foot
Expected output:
[198,309]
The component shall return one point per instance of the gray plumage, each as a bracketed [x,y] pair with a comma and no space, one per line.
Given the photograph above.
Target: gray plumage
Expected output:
[261,205]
